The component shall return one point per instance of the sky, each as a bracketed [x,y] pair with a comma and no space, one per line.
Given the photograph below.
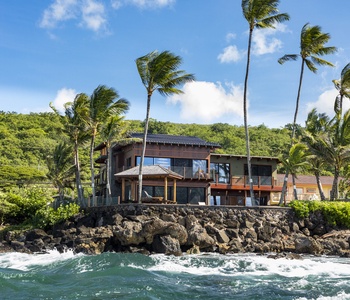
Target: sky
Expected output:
[52,50]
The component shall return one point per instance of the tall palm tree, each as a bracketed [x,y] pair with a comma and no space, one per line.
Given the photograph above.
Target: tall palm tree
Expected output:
[76,113]
[159,72]
[343,86]
[61,168]
[102,107]
[295,161]
[312,46]
[259,14]
[74,124]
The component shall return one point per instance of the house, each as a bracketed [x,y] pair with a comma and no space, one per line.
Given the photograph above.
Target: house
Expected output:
[230,183]
[306,186]
[188,171]
[188,157]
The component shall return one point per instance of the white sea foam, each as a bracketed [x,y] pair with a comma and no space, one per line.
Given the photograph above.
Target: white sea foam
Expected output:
[23,261]
[252,265]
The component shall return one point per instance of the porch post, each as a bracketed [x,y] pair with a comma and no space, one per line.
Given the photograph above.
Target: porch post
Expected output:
[165,188]
[174,191]
[123,189]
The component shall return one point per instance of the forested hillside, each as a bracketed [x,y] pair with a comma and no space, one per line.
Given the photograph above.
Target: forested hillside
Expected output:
[27,140]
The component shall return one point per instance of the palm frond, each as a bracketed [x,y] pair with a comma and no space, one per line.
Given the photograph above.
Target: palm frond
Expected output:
[287,57]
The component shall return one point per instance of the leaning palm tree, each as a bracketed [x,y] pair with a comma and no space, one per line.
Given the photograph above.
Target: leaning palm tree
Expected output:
[159,72]
[312,46]
[343,86]
[259,14]
[102,107]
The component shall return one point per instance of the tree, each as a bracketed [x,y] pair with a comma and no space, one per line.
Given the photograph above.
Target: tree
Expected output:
[295,161]
[343,86]
[110,131]
[61,168]
[316,125]
[159,72]
[74,122]
[259,14]
[102,107]
[312,46]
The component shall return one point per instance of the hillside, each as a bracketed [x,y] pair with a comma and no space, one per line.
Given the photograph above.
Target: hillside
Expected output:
[26,140]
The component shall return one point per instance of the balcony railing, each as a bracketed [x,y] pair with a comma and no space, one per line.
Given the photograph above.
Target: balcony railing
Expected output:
[244,180]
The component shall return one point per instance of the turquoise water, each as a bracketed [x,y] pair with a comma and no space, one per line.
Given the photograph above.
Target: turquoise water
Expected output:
[134,276]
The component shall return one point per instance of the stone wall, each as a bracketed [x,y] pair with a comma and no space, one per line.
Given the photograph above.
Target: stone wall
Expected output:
[177,229]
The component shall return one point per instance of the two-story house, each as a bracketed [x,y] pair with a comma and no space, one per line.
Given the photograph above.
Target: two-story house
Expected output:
[185,170]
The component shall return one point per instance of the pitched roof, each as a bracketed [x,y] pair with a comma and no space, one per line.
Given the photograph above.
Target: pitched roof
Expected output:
[149,171]
[175,140]
[307,179]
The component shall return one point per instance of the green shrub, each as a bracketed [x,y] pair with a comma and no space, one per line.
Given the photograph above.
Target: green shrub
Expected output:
[336,213]
[50,216]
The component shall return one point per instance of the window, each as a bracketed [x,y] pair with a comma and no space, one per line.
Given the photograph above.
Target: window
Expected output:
[260,173]
[220,171]
[151,161]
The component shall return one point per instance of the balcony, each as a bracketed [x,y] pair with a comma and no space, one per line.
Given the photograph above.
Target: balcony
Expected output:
[243,180]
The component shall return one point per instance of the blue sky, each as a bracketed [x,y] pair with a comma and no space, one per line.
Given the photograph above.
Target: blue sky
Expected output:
[52,50]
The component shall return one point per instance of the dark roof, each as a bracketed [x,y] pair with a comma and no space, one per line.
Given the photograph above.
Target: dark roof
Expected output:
[175,140]
[149,171]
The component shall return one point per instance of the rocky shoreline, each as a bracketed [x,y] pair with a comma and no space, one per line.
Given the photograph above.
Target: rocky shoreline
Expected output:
[175,229]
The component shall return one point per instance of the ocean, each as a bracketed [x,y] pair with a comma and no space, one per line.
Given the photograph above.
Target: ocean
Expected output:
[205,276]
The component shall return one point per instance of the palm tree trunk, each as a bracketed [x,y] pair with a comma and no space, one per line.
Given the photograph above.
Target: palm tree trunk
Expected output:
[334,191]
[108,170]
[284,189]
[294,188]
[319,185]
[77,172]
[92,166]
[293,128]
[298,99]
[245,113]
[144,146]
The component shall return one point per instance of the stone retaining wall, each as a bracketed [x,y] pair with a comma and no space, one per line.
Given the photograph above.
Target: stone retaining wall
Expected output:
[175,229]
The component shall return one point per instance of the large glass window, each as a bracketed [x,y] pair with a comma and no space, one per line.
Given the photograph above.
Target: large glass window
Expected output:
[199,167]
[220,172]
[151,161]
[260,172]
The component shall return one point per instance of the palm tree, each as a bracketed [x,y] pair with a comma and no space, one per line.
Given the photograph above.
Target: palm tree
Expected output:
[259,14]
[61,168]
[73,121]
[110,131]
[312,46]
[159,72]
[294,162]
[343,86]
[102,107]
[316,125]
[76,113]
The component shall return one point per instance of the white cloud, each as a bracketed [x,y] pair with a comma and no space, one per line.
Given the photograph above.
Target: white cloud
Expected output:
[116,4]
[60,10]
[63,96]
[263,41]
[230,54]
[207,101]
[91,12]
[325,102]
[230,36]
